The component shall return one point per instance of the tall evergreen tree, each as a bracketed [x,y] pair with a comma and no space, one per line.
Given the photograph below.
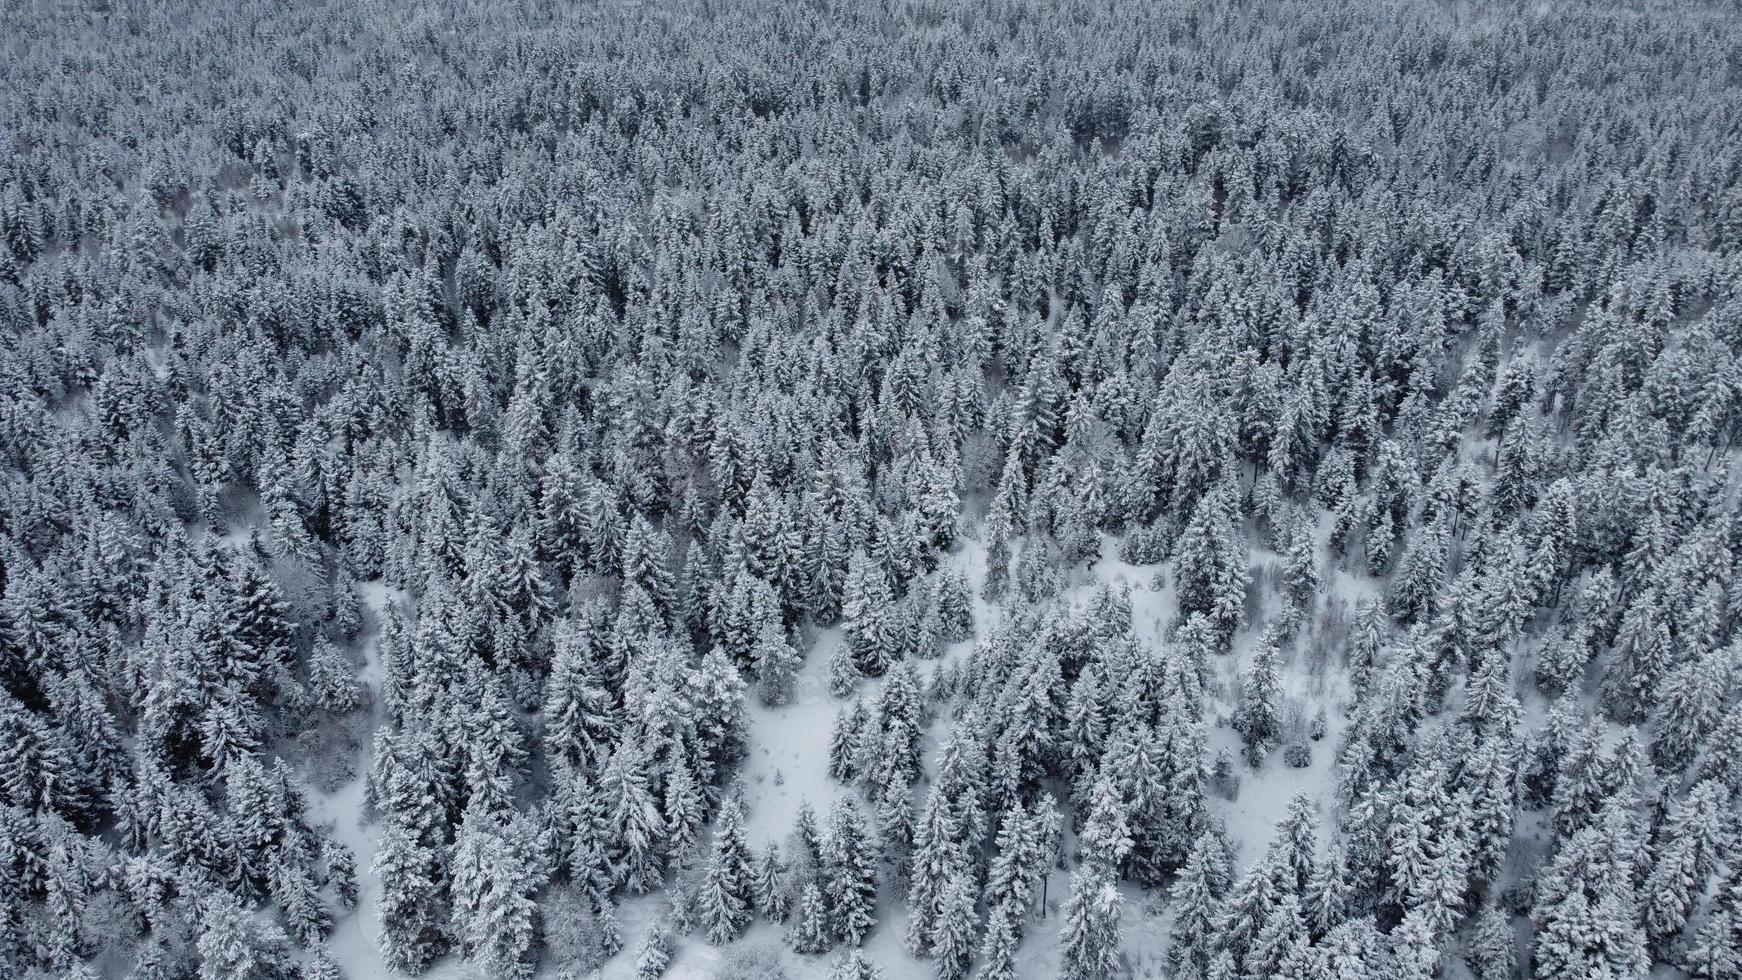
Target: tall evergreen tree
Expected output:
[1089,939]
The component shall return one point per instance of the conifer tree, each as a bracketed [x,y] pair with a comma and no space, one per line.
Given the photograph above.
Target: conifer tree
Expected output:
[578,713]
[769,886]
[728,883]
[849,875]
[634,815]
[655,953]
[412,906]
[953,937]
[998,948]
[952,603]
[809,932]
[854,966]
[865,610]
[1210,565]
[1260,715]
[1089,939]
[844,673]
[1199,911]
[497,868]
[321,966]
[1491,953]
[845,742]
[776,664]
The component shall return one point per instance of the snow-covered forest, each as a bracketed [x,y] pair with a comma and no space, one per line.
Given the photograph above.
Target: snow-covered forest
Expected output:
[1121,490]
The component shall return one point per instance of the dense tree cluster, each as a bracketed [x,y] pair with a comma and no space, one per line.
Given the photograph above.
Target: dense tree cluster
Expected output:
[504,403]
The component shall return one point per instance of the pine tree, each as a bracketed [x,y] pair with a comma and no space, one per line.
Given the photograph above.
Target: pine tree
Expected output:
[1328,894]
[1685,859]
[1689,709]
[1366,644]
[849,875]
[304,916]
[728,883]
[1089,940]
[655,953]
[1561,661]
[634,816]
[1106,835]
[749,608]
[321,966]
[952,603]
[644,563]
[844,671]
[492,741]
[232,946]
[1198,910]
[1281,932]
[776,664]
[1585,911]
[1716,951]
[684,808]
[770,885]
[1491,952]
[1210,566]
[1644,651]
[939,853]
[579,717]
[1300,558]
[845,742]
[998,949]
[716,692]
[1723,756]
[331,682]
[497,868]
[854,966]
[865,609]
[1020,862]
[1417,948]
[1581,939]
[901,722]
[411,909]
[953,937]
[1259,719]
[1416,586]
[1579,789]
[826,560]
[810,931]
[341,872]
[1248,905]
[895,825]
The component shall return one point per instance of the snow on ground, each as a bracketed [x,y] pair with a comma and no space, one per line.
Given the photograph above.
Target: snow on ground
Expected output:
[787,765]
[788,761]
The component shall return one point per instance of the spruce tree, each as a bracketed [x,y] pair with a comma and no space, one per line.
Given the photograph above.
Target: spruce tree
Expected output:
[1491,952]
[1089,938]
[1198,911]
[412,906]
[849,874]
[1259,719]
[953,937]
[497,868]
[809,932]
[854,966]
[998,948]
[728,887]
[769,886]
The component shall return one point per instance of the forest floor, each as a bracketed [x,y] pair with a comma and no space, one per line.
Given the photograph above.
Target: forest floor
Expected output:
[787,765]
